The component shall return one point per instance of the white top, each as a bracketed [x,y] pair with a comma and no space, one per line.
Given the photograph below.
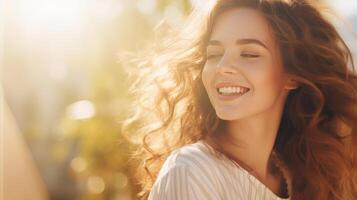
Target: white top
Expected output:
[192,172]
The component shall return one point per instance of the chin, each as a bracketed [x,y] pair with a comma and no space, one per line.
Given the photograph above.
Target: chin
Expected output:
[228,116]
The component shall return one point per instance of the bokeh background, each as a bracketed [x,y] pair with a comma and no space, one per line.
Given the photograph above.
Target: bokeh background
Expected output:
[64,90]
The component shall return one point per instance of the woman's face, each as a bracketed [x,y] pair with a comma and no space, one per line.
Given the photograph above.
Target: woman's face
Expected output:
[242,55]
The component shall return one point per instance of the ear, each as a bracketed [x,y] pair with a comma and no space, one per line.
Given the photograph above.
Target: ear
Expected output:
[291,84]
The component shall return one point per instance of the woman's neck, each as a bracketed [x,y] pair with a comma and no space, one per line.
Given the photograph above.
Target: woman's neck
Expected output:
[251,141]
[274,179]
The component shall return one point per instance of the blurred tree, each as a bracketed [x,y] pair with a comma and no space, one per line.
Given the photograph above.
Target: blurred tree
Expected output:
[100,157]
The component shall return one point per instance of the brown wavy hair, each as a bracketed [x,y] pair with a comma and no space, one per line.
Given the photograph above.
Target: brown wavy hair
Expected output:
[317,136]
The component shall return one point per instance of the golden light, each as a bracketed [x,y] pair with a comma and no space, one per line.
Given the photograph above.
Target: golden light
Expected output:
[95,184]
[121,180]
[78,164]
[83,109]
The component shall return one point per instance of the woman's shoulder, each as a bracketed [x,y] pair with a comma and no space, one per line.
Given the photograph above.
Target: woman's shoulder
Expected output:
[193,156]
[187,174]
[199,159]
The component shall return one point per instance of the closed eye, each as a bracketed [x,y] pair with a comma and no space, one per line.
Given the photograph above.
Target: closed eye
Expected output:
[247,55]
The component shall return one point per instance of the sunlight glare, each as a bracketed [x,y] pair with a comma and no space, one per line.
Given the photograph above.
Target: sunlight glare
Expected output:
[81,110]
[53,15]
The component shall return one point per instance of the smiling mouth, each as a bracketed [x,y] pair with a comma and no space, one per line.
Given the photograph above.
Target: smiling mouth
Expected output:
[230,94]
[232,91]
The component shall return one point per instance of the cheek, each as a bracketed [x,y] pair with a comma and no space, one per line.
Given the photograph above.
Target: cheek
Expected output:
[267,78]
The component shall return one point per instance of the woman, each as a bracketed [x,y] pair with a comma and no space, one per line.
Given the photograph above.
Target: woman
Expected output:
[252,99]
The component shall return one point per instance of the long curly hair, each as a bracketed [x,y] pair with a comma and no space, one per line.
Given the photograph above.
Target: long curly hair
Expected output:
[317,136]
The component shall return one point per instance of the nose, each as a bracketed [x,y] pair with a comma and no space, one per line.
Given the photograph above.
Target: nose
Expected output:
[226,65]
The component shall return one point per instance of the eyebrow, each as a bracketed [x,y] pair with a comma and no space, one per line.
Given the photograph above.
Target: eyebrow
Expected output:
[239,42]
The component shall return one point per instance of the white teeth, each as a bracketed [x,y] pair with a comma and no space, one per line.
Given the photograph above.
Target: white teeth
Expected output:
[230,90]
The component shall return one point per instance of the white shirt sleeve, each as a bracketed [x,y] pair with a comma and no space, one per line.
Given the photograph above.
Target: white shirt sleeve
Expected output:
[180,182]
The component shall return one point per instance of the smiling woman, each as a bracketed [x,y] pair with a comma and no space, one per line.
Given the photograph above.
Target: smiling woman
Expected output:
[259,102]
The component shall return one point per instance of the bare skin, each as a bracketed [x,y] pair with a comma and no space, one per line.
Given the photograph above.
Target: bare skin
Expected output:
[252,120]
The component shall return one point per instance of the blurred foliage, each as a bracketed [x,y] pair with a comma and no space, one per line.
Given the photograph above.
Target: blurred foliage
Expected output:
[97,140]
[100,155]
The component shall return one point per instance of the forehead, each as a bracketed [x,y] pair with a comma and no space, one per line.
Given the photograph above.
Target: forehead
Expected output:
[238,23]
